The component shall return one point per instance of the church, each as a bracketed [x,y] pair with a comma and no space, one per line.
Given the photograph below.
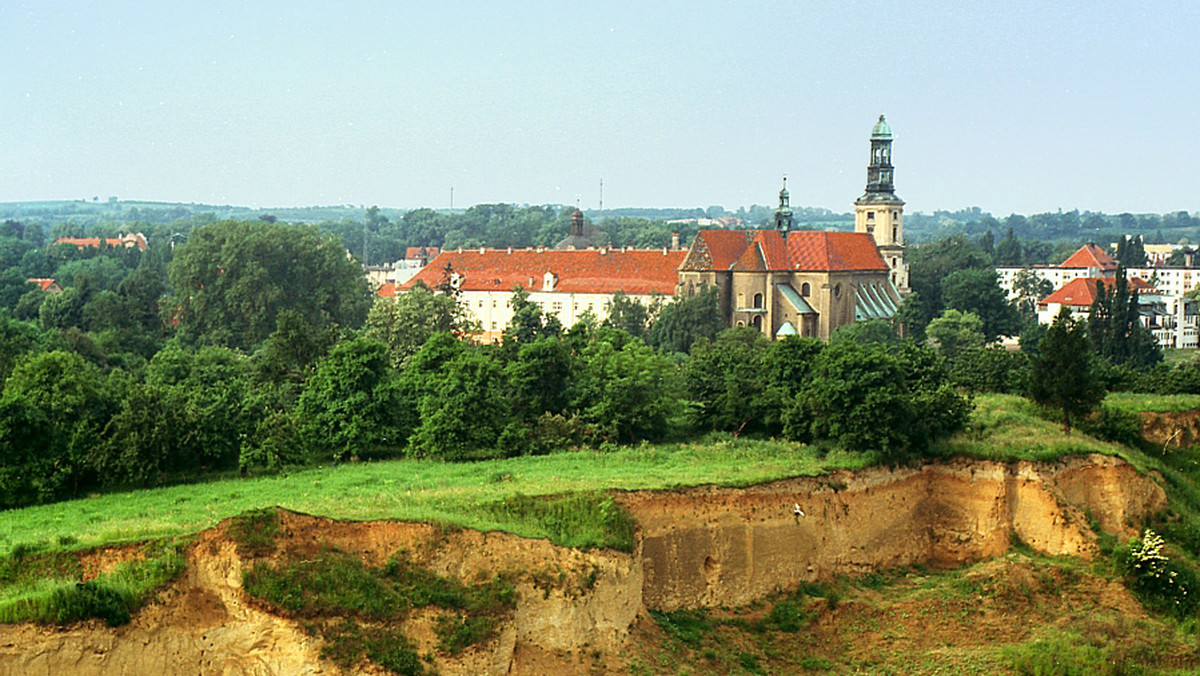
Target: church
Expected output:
[787,282]
[783,282]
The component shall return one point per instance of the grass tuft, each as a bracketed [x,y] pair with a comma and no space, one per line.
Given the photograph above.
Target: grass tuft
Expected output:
[254,531]
[580,520]
[49,590]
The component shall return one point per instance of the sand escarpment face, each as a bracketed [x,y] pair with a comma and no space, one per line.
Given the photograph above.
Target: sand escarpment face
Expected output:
[715,546]
[704,546]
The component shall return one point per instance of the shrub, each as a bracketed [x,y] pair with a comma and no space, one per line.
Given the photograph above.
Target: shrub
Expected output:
[456,632]
[348,642]
[579,520]
[41,588]
[1060,657]
[1163,584]
[1115,425]
[686,626]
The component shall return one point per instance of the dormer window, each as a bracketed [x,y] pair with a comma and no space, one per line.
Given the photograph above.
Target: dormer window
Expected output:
[548,281]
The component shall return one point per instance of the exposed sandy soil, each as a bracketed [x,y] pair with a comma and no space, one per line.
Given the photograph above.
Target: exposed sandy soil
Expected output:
[1172,430]
[705,546]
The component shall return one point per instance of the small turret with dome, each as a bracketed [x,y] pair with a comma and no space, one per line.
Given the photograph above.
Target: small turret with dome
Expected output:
[783,215]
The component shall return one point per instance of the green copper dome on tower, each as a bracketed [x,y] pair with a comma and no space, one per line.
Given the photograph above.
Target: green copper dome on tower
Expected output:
[881,131]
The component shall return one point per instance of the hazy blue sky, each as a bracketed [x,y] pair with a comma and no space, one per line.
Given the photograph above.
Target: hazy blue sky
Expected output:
[1018,106]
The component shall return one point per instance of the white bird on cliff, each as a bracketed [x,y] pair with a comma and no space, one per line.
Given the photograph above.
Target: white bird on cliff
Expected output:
[797,511]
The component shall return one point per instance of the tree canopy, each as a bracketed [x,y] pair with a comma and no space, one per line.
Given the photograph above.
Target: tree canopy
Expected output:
[233,278]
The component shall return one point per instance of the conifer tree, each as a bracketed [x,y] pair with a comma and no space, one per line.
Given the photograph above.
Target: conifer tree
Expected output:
[1062,377]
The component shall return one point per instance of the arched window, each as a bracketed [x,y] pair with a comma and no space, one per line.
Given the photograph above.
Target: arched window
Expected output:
[805,289]
[758,322]
[758,300]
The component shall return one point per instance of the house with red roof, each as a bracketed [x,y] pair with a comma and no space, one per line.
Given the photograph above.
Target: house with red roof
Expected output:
[46,284]
[1172,321]
[565,283]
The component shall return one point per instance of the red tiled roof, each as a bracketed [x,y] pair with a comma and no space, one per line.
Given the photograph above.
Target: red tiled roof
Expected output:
[388,290]
[807,250]
[717,249]
[1090,256]
[833,251]
[1081,292]
[415,252]
[638,271]
[42,282]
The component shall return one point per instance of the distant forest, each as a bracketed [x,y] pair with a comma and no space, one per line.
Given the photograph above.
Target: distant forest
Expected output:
[386,232]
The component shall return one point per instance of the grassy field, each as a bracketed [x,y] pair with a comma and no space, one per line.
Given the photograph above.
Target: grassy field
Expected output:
[1007,427]
[1153,403]
[464,494]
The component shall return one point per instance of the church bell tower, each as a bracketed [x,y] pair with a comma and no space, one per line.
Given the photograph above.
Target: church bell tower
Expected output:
[879,212]
[783,215]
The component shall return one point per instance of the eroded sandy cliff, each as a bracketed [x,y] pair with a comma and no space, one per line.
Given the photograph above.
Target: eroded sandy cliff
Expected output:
[704,546]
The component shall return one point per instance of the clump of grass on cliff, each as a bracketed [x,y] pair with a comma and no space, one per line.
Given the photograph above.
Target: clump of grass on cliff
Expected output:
[338,585]
[580,520]
[254,531]
[49,589]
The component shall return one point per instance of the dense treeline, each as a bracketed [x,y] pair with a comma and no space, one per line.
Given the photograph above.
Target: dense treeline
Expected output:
[250,347]
[1039,238]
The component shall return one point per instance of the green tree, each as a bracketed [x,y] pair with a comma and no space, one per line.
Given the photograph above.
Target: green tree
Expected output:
[540,378]
[868,397]
[208,387]
[978,291]
[955,332]
[1030,289]
[288,355]
[929,265]
[625,388]
[406,322]
[683,321]
[1062,376]
[465,409]
[1115,328]
[528,322]
[628,315]
[233,278]
[349,406]
[72,399]
[878,331]
[725,379]
[1131,251]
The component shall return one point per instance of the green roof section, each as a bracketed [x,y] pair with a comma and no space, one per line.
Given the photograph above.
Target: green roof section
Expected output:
[797,301]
